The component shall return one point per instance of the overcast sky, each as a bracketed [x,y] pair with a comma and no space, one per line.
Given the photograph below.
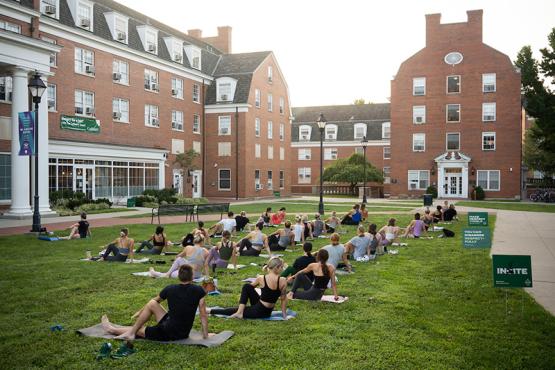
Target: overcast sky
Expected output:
[332,52]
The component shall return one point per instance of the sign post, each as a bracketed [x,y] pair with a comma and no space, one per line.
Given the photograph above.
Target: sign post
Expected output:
[511,271]
[477,238]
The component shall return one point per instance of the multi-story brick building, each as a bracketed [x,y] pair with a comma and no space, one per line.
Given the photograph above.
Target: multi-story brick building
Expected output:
[126,94]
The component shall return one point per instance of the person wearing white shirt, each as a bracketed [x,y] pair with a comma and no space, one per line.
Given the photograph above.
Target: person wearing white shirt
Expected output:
[227,224]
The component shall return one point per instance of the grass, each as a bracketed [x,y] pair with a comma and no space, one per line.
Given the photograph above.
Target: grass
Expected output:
[431,306]
[510,206]
[254,210]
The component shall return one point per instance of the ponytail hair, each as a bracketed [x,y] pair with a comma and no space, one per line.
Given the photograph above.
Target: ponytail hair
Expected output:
[322,257]
[274,264]
[307,247]
[199,238]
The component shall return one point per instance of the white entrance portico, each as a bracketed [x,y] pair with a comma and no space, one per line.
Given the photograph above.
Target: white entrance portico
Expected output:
[452,173]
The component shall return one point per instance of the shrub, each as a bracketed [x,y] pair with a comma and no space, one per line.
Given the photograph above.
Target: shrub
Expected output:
[105,201]
[150,205]
[184,200]
[167,195]
[480,195]
[141,200]
[432,190]
[87,207]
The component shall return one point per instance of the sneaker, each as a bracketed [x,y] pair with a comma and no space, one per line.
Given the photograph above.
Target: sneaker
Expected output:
[104,351]
[124,350]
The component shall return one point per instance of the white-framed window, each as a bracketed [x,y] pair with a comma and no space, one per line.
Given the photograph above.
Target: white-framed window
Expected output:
[224,149]
[386,130]
[419,86]
[51,97]
[330,154]
[281,153]
[197,147]
[257,98]
[151,116]
[120,72]
[257,180]
[453,141]
[489,83]
[224,179]
[176,49]
[50,8]
[453,113]
[270,103]
[196,124]
[418,114]
[489,179]
[120,110]
[488,112]
[331,132]
[151,41]
[304,132]
[418,179]
[53,56]
[359,150]
[453,84]
[281,179]
[151,80]
[305,154]
[281,105]
[196,93]
[270,152]
[177,88]
[120,29]
[270,74]
[488,140]
[257,127]
[177,120]
[85,15]
[196,58]
[360,130]
[84,103]
[270,130]
[6,89]
[8,26]
[224,125]
[386,175]
[270,182]
[224,91]
[386,152]
[304,175]
[257,151]
[84,62]
[418,142]
[281,132]
[178,146]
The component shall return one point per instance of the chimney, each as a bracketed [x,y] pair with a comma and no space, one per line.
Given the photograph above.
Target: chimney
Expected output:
[224,39]
[196,33]
[475,23]
[433,22]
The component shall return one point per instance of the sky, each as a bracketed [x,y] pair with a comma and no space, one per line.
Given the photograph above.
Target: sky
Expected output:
[333,52]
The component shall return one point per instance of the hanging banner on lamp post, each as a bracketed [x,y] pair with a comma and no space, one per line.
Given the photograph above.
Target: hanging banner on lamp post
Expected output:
[26,133]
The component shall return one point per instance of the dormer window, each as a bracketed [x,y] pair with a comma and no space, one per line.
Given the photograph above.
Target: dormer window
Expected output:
[82,12]
[50,8]
[360,130]
[225,89]
[304,132]
[118,25]
[194,55]
[331,132]
[270,74]
[386,130]
[149,38]
[175,48]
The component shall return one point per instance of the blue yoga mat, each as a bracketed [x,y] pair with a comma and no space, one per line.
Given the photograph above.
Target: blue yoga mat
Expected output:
[276,315]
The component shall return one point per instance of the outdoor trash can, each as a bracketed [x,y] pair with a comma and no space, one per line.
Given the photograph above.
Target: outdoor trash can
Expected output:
[428,200]
[277,194]
[131,202]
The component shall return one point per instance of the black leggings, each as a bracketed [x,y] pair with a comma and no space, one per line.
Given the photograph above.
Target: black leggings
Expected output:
[255,311]
[273,241]
[309,293]
[117,256]
[150,248]
[246,249]
[348,220]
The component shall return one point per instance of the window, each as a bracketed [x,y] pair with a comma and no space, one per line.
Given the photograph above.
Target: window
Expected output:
[257,127]
[177,120]
[360,130]
[224,92]
[270,103]
[84,15]
[178,146]
[419,86]
[6,176]
[196,93]
[489,179]
[53,56]
[281,105]
[270,74]
[257,180]
[331,132]
[304,133]
[151,116]
[281,179]
[196,124]
[418,142]
[84,61]
[257,98]
[51,97]
[84,102]
[453,141]
[49,8]
[256,150]
[12,27]
[489,82]
[488,140]
[224,179]
[120,110]
[304,175]
[304,154]
[281,153]
[270,130]
[418,180]
[177,88]
[359,150]
[120,28]
[151,41]
[151,80]
[387,175]
[330,154]
[176,49]
[453,84]
[224,125]
[270,152]
[419,114]
[386,152]
[197,146]
[270,183]
[453,112]
[281,132]
[6,89]
[120,72]
[196,58]
[224,149]
[488,112]
[386,130]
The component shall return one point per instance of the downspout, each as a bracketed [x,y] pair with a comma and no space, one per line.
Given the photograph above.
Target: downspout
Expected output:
[203,151]
[237,153]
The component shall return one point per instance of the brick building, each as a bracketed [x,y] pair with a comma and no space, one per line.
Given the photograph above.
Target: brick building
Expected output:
[126,93]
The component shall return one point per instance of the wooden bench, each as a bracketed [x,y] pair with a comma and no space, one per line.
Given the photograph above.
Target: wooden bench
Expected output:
[222,208]
[189,210]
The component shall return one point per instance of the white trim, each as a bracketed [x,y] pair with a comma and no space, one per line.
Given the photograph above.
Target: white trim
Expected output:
[418,185]
[360,124]
[333,144]
[413,86]
[488,180]
[489,133]
[447,85]
[230,184]
[16,11]
[447,113]
[226,108]
[423,135]
[447,142]
[71,149]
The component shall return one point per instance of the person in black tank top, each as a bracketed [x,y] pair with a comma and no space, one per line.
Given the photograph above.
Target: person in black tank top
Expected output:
[263,304]
[156,243]
[323,274]
[221,253]
[80,229]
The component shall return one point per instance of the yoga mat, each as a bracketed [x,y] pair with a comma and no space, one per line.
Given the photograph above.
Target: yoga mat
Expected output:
[268,256]
[249,280]
[327,298]
[195,337]
[343,272]
[142,260]
[276,315]
[49,238]
[230,266]
[169,253]
[146,274]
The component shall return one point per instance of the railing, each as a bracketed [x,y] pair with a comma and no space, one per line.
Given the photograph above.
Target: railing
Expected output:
[372,190]
[545,182]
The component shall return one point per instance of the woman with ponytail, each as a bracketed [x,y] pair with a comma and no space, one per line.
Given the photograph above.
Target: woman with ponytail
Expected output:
[323,274]
[193,255]
[301,262]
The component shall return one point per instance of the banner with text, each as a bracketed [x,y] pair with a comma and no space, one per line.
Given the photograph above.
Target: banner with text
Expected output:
[477,237]
[512,271]
[83,124]
[477,219]
[26,133]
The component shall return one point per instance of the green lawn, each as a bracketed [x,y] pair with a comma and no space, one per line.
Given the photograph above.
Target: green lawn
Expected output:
[254,210]
[430,306]
[510,206]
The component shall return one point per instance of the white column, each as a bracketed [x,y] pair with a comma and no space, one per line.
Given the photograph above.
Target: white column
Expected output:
[20,206]
[44,202]
[162,174]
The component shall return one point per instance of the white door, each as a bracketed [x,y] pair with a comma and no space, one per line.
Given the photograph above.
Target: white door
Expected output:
[453,183]
[197,184]
[178,181]
[83,181]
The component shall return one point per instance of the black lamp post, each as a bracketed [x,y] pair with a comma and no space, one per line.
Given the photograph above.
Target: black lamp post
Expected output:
[321,125]
[364,143]
[36,87]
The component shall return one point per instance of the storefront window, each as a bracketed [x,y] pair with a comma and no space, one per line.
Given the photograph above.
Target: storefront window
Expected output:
[151,178]
[103,182]
[136,177]
[5,176]
[120,181]
[65,177]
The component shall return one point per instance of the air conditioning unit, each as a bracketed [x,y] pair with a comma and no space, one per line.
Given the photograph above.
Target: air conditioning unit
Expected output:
[178,57]
[489,118]
[259,187]
[116,115]
[331,137]
[224,131]
[154,86]
[50,9]
[223,97]
[85,23]
[116,76]
[89,111]
[89,69]
[151,48]
[154,121]
[175,92]
[307,156]
[304,137]
[121,36]
[270,79]
[489,88]
[78,110]
[419,119]
[51,104]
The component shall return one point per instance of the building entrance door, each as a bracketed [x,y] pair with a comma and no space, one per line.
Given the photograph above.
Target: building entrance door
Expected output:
[178,181]
[197,184]
[453,183]
[83,181]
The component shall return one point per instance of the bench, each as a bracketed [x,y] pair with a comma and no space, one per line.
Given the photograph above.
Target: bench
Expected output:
[189,210]
[222,208]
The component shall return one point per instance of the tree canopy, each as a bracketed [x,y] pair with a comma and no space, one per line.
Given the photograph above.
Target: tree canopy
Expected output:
[186,160]
[351,171]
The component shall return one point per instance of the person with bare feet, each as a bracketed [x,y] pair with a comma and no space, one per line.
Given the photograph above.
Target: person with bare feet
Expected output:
[313,290]
[80,230]
[175,324]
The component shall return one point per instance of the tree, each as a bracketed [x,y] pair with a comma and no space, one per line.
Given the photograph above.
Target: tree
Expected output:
[186,160]
[539,145]
[360,101]
[351,170]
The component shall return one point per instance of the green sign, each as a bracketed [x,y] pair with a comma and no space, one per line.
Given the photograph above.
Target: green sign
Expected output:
[512,271]
[83,124]
[477,219]
[477,237]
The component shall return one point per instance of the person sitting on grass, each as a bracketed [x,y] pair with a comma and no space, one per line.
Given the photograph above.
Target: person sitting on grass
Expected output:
[332,223]
[266,217]
[359,245]
[450,214]
[318,226]
[241,221]
[282,238]
[193,255]
[428,219]
[155,244]
[176,323]
[313,290]
[353,217]
[415,228]
[390,232]
[307,230]
[221,253]
[363,212]
[228,224]
[301,262]
[375,239]
[337,253]
[438,215]
[188,239]
[80,230]
[253,243]
[272,287]
[121,248]
[278,217]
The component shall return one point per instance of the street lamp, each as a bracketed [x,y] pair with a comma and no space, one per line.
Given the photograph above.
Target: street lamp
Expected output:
[364,143]
[321,125]
[36,88]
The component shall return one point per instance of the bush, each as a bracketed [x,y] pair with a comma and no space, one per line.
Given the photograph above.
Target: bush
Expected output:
[432,190]
[87,207]
[480,195]
[184,200]
[150,205]
[68,199]
[141,200]
[167,195]
[105,201]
